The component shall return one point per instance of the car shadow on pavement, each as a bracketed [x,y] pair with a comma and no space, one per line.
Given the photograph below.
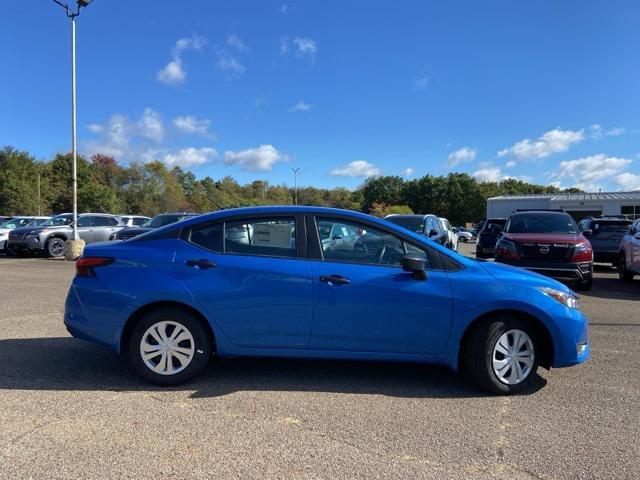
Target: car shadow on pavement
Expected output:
[611,287]
[64,363]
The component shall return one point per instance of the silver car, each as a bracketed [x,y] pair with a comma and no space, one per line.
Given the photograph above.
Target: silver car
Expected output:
[17,222]
[134,220]
[50,236]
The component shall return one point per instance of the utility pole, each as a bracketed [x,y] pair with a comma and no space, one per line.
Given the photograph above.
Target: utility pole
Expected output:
[295,184]
[39,212]
[74,153]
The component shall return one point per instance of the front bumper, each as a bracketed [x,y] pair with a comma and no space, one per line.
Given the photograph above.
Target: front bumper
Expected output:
[571,341]
[562,271]
[29,244]
[3,244]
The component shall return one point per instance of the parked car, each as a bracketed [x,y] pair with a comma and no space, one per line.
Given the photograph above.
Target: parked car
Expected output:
[156,222]
[427,225]
[336,236]
[134,220]
[452,238]
[604,234]
[629,255]
[463,234]
[14,223]
[4,218]
[173,297]
[488,237]
[49,237]
[548,242]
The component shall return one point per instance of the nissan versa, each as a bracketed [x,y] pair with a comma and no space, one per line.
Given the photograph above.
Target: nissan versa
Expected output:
[265,281]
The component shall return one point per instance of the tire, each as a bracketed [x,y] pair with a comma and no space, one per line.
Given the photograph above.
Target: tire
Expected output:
[196,346]
[625,274]
[584,285]
[463,239]
[481,347]
[54,247]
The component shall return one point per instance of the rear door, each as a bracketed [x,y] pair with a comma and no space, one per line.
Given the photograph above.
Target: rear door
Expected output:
[252,277]
[365,302]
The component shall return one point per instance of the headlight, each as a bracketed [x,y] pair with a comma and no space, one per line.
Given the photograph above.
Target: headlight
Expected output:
[582,248]
[567,299]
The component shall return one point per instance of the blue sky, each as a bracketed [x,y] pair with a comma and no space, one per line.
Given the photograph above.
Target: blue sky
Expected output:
[541,90]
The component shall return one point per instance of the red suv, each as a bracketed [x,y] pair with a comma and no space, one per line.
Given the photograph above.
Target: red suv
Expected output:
[548,242]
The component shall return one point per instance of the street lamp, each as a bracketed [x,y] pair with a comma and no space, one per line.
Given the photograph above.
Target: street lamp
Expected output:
[72,15]
[295,184]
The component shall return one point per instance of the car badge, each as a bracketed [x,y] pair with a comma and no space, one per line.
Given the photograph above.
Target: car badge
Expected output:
[544,249]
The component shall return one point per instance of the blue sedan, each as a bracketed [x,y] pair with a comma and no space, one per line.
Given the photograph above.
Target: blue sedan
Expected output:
[284,282]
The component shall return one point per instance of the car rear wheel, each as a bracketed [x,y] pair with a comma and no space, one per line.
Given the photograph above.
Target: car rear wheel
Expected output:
[169,346]
[500,355]
[54,247]
[624,273]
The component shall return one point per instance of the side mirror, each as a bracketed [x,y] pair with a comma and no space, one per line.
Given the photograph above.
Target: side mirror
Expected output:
[416,266]
[433,233]
[336,237]
[587,233]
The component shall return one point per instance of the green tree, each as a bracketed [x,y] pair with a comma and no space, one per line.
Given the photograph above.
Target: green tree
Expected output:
[18,182]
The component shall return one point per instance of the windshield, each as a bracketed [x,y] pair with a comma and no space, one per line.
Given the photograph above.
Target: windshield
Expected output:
[15,223]
[57,221]
[162,220]
[494,225]
[415,224]
[541,223]
[610,227]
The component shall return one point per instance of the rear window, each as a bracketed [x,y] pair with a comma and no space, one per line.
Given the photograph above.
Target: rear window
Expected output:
[541,223]
[494,225]
[610,227]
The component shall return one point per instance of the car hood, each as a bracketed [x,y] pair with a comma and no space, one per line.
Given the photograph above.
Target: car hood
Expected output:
[509,274]
[546,237]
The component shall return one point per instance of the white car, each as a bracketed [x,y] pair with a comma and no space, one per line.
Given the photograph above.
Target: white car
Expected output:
[463,235]
[453,238]
[14,223]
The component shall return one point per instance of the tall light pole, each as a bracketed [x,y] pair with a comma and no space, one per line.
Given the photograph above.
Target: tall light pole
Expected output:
[295,184]
[74,153]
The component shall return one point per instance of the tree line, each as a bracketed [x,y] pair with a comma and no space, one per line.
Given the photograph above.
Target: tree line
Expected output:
[150,188]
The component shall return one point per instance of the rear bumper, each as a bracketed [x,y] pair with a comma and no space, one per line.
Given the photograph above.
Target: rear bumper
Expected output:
[606,256]
[561,271]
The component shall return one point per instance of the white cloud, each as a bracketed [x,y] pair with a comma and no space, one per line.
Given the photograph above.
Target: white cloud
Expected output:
[150,125]
[598,131]
[300,107]
[193,126]
[553,141]
[628,181]
[284,8]
[94,128]
[233,41]
[462,155]
[407,172]
[510,164]
[229,65]
[173,73]
[262,158]
[357,168]
[488,173]
[189,157]
[300,46]
[589,173]
[422,81]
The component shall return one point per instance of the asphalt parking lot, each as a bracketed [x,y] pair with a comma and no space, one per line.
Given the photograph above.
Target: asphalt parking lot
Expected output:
[73,409]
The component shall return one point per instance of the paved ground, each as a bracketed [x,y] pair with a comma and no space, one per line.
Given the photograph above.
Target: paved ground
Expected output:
[71,409]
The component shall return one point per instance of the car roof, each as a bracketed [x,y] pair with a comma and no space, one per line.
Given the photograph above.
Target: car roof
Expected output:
[408,215]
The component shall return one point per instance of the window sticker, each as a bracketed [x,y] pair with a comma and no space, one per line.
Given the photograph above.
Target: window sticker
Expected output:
[276,235]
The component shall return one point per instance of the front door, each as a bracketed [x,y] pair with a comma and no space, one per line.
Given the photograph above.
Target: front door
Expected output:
[85,229]
[248,277]
[365,302]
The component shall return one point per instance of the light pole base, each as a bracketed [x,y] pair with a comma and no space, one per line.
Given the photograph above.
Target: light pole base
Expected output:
[73,249]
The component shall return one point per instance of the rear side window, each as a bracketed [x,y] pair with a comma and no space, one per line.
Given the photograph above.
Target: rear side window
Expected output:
[104,222]
[208,236]
[273,237]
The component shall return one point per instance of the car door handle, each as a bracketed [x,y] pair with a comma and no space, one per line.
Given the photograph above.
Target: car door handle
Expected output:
[335,279]
[202,263]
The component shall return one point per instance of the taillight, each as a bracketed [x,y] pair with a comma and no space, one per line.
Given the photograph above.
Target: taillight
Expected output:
[85,265]
[506,249]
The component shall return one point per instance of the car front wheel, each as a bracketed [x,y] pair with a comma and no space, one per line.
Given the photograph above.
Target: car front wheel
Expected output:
[54,247]
[169,346]
[501,356]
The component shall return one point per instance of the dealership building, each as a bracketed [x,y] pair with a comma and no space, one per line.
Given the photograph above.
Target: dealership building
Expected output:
[579,205]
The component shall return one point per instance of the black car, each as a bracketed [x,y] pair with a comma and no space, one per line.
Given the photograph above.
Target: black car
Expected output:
[156,222]
[488,237]
[604,234]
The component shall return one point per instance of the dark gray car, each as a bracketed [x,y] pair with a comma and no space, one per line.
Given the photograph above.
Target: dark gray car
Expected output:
[50,236]
[604,233]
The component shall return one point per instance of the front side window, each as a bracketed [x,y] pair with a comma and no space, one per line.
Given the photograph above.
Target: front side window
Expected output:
[274,237]
[366,245]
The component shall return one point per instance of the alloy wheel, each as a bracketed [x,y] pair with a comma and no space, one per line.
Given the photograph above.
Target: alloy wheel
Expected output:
[167,348]
[513,357]
[56,247]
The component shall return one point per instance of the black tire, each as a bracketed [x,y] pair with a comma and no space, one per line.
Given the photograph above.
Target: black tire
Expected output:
[202,346]
[463,239]
[584,285]
[50,247]
[624,274]
[477,354]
